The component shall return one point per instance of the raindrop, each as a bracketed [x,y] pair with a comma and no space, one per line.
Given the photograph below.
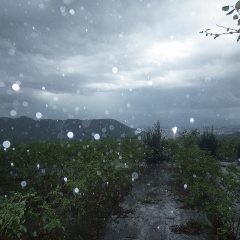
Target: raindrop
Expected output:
[6,144]
[120,35]
[192,120]
[70,135]
[96,136]
[174,130]
[63,10]
[134,176]
[115,70]
[13,113]
[72,11]
[138,131]
[185,186]
[106,112]
[23,184]
[41,5]
[150,83]
[25,104]
[76,190]
[65,179]
[11,52]
[111,127]
[15,87]
[38,115]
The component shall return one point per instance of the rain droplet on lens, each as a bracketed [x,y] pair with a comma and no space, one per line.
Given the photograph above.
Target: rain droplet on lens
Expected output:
[23,184]
[70,135]
[15,87]
[6,144]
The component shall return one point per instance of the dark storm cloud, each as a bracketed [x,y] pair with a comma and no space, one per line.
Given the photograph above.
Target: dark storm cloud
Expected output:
[62,53]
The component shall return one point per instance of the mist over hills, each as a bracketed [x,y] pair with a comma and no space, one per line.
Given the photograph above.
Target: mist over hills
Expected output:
[27,130]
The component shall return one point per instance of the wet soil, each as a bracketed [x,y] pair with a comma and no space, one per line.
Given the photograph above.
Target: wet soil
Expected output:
[153,211]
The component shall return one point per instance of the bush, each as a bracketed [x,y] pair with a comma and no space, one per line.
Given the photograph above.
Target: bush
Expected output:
[208,142]
[154,139]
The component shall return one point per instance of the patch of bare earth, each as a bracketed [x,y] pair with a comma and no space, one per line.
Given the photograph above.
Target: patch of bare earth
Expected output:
[151,211]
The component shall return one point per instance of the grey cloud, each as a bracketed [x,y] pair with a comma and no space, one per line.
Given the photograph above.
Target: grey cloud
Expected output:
[73,55]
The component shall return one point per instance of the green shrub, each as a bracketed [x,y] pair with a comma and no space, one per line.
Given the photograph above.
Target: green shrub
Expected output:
[154,139]
[208,142]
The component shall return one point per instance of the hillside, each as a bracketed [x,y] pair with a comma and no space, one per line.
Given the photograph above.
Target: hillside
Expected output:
[25,130]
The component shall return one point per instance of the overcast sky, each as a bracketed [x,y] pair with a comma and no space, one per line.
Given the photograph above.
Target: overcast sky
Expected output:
[132,60]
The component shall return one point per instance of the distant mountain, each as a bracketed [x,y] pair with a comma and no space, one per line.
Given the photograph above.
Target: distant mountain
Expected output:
[25,130]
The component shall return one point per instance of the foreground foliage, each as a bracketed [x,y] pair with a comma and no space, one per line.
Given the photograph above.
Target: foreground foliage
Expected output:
[205,185]
[64,190]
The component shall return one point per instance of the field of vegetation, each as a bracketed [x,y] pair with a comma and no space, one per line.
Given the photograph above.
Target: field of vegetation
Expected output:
[210,185]
[64,190]
[208,169]
[67,190]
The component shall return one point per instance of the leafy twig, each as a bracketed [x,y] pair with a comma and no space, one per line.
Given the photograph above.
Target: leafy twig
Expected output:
[228,30]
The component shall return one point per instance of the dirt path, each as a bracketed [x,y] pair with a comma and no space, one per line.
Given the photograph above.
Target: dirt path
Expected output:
[151,210]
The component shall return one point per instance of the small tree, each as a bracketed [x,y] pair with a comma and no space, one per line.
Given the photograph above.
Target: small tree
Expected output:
[231,10]
[208,142]
[155,140]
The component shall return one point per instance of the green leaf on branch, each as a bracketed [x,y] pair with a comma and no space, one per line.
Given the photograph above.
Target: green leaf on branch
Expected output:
[235,17]
[238,38]
[229,13]
[216,35]
[237,5]
[225,8]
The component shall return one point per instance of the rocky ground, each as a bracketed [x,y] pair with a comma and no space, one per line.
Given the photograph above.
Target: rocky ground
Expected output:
[152,211]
